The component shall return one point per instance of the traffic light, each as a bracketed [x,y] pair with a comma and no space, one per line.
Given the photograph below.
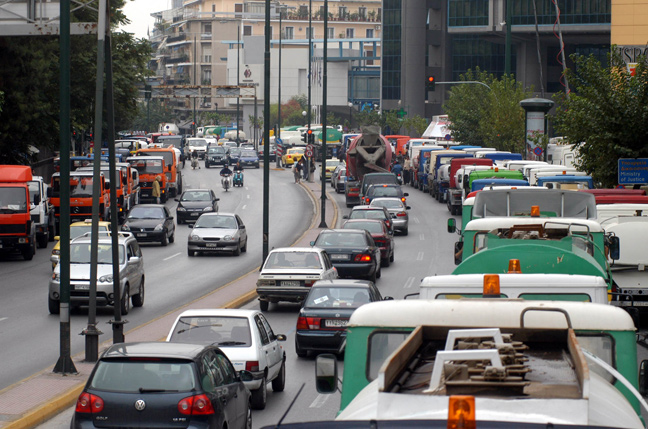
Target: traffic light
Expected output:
[311,136]
[430,83]
[305,137]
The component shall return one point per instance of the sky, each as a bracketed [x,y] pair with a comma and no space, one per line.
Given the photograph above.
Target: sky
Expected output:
[139,12]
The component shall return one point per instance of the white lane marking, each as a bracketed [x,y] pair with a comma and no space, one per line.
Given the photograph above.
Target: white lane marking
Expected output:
[3,318]
[419,257]
[416,220]
[248,196]
[319,401]
[422,237]
[243,208]
[172,256]
[409,283]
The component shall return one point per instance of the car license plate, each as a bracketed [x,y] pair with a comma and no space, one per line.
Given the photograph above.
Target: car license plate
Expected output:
[211,244]
[141,234]
[336,323]
[195,214]
[81,287]
[145,194]
[335,257]
[290,283]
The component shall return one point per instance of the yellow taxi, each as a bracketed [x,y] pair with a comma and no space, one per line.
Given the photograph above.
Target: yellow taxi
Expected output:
[292,155]
[331,165]
[77,229]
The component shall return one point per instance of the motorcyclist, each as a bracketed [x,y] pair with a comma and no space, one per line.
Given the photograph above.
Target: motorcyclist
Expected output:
[194,159]
[238,173]
[225,174]
[397,168]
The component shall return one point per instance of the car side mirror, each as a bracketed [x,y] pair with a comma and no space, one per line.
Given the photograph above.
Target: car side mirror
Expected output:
[326,376]
[281,337]
[406,194]
[37,200]
[407,208]
[388,298]
[49,192]
[107,186]
[312,243]
[245,375]
[345,217]
[452,225]
[458,252]
[615,247]
[217,199]
[177,199]
[133,260]
[643,377]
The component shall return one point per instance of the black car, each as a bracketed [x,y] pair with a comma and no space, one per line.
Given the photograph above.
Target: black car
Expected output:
[325,313]
[216,155]
[383,191]
[160,384]
[234,155]
[352,252]
[150,222]
[194,202]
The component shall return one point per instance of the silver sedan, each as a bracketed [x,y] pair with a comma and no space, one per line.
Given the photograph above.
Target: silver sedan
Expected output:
[218,232]
[398,211]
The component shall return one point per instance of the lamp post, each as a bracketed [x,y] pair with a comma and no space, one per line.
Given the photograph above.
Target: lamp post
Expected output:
[310,59]
[350,115]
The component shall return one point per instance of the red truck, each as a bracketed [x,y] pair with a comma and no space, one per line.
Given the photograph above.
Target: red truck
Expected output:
[17,231]
[81,184]
[455,192]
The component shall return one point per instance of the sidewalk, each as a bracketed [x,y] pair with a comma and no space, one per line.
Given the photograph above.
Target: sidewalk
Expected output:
[38,398]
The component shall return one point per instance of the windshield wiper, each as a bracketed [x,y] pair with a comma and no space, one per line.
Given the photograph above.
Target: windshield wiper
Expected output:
[143,390]
[232,343]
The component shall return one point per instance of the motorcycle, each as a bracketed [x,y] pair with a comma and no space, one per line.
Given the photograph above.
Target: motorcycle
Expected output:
[226,181]
[238,178]
[399,177]
[194,163]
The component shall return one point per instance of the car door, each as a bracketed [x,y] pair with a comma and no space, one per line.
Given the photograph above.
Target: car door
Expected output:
[236,389]
[375,249]
[275,351]
[242,230]
[168,221]
[266,348]
[213,380]
[214,200]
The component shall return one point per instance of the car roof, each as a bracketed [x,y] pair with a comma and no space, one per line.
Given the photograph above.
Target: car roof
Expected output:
[342,283]
[386,199]
[148,205]
[229,312]
[348,231]
[366,208]
[352,221]
[89,221]
[104,238]
[298,249]
[218,214]
[194,190]
[156,349]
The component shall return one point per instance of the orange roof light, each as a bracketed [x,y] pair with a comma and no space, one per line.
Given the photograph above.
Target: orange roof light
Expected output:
[491,286]
[514,266]
[535,211]
[496,169]
[461,412]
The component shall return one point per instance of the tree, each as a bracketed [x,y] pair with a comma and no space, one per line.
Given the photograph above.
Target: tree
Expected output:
[392,122]
[416,125]
[607,111]
[488,115]
[158,113]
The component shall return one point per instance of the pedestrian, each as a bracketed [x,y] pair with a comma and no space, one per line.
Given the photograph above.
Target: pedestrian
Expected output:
[407,165]
[304,161]
[156,189]
[311,169]
[297,168]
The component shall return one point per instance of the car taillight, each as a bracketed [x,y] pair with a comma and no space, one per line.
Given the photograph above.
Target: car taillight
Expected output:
[252,365]
[401,214]
[380,243]
[309,282]
[197,405]
[305,323]
[362,258]
[89,403]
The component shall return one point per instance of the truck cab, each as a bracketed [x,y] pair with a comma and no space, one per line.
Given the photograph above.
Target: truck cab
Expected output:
[171,167]
[42,212]
[81,196]
[148,168]
[17,230]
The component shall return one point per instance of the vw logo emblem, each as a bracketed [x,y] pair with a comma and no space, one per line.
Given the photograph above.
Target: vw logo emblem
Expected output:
[337,314]
[75,209]
[140,405]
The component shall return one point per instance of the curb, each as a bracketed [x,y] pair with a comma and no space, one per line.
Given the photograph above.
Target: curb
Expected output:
[47,411]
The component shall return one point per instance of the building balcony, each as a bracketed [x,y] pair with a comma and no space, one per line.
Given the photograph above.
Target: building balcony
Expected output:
[178,38]
[175,59]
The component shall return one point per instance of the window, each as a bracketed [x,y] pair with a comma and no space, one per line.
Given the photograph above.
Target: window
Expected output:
[206,75]
[310,32]
[213,8]
[268,329]
[342,12]
[207,28]
[238,8]
[350,33]
[370,33]
[464,13]
[247,30]
[381,345]
[229,375]
[264,335]
[330,32]
[362,12]
[588,12]
[303,11]
[289,33]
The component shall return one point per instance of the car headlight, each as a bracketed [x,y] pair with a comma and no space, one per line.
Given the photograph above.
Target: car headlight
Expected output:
[56,277]
[181,209]
[228,238]
[208,209]
[125,227]
[194,238]
[159,227]
[56,252]
[106,279]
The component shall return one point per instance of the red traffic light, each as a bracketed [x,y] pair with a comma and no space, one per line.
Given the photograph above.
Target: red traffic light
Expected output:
[309,132]
[430,79]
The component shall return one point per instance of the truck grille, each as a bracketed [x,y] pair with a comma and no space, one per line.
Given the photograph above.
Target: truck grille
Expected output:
[12,229]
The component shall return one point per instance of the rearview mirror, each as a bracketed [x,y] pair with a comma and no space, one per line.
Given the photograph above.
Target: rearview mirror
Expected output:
[643,377]
[615,247]
[326,373]
[452,225]
[245,375]
[281,337]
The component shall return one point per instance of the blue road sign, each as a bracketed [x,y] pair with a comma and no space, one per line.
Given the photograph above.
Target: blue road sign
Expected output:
[633,171]
[537,150]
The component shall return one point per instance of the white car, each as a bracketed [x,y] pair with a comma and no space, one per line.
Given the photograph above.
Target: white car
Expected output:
[246,338]
[197,144]
[289,272]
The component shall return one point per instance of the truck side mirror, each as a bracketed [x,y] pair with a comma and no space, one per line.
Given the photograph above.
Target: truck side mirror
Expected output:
[326,373]
[124,180]
[643,377]
[452,225]
[107,186]
[37,200]
[615,247]
[49,192]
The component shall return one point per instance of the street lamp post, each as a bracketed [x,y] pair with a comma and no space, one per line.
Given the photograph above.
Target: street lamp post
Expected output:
[350,115]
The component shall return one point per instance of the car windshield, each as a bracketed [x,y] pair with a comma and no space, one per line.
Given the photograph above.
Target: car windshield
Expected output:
[216,150]
[80,253]
[146,213]
[199,142]
[249,153]
[142,376]
[369,225]
[196,196]
[332,297]
[235,151]
[390,204]
[216,330]
[293,260]
[341,239]
[218,221]
[367,214]
[384,191]
[147,166]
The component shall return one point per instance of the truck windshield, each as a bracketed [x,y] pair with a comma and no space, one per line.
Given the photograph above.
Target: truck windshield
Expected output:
[148,166]
[167,155]
[80,187]
[13,200]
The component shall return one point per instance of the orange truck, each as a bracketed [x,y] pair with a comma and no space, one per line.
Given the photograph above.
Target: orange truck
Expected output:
[81,184]
[126,189]
[171,167]
[17,231]
[148,168]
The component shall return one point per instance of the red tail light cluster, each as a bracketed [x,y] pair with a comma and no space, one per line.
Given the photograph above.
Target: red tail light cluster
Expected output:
[197,405]
[380,243]
[362,258]
[309,282]
[403,199]
[89,403]
[252,365]
[401,214]
[306,323]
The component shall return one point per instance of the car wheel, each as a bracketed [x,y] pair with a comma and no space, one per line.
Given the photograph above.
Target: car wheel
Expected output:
[165,240]
[391,257]
[379,274]
[244,248]
[279,383]
[300,353]
[172,238]
[206,165]
[53,305]
[259,396]
[405,232]
[191,253]
[125,301]
[385,262]
[248,417]
[179,220]
[138,300]
[50,232]
[28,253]
[42,241]
[237,251]
[264,305]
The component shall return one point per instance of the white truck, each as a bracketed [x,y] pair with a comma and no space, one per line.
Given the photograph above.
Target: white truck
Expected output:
[42,212]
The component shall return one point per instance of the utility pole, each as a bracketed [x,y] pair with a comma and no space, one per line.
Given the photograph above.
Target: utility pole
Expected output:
[238,76]
[266,134]
[324,113]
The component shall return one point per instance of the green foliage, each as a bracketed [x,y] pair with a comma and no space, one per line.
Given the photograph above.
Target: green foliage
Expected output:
[159,113]
[369,117]
[488,117]
[607,111]
[416,125]
[392,121]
